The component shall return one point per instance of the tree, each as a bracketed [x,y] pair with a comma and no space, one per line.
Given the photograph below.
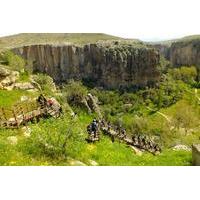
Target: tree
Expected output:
[184,118]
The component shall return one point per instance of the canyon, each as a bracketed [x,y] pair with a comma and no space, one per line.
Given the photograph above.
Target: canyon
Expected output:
[106,61]
[109,64]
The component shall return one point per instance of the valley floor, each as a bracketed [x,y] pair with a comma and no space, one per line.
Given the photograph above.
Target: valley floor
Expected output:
[30,150]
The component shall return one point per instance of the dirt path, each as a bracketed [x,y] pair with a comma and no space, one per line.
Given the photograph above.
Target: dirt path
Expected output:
[160,113]
[196,94]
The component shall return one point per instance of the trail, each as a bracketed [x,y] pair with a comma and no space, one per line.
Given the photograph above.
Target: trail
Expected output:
[196,94]
[160,113]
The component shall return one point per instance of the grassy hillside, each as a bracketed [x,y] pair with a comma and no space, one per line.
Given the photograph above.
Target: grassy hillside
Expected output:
[44,38]
[185,39]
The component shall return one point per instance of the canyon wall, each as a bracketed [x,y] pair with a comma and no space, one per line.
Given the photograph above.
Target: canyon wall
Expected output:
[109,64]
[185,53]
[181,52]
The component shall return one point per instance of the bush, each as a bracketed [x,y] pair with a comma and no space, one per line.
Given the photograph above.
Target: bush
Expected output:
[186,74]
[16,62]
[74,92]
[46,83]
[139,125]
[50,139]
[185,118]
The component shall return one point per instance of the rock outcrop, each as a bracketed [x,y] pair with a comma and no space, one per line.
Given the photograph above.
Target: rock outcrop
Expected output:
[7,78]
[196,154]
[110,64]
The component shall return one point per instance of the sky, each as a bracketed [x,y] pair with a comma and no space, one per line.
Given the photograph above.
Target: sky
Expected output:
[148,20]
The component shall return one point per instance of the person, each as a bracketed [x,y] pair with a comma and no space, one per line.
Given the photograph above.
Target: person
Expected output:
[94,127]
[102,123]
[123,132]
[109,126]
[42,100]
[50,102]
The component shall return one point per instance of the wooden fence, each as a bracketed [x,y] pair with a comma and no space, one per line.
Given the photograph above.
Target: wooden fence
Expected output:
[20,114]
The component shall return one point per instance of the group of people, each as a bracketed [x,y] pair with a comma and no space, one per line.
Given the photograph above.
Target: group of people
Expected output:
[144,142]
[97,125]
[137,140]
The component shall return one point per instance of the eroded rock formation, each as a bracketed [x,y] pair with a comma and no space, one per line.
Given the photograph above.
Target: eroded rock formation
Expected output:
[185,53]
[108,64]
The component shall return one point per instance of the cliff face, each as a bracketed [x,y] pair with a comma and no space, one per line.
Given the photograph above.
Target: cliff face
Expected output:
[163,50]
[181,52]
[185,53]
[111,65]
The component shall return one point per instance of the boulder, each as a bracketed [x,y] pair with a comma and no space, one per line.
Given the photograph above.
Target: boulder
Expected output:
[9,79]
[4,72]
[196,154]
[24,98]
[92,102]
[93,163]
[23,86]
[74,162]
[181,147]
[136,150]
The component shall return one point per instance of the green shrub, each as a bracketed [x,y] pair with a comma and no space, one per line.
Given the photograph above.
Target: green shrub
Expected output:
[45,82]
[49,138]
[14,61]
[186,74]
[74,92]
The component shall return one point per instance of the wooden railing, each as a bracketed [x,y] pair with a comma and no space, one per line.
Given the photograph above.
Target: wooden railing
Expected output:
[20,114]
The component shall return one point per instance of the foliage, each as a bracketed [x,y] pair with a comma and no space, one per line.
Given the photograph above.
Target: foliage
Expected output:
[185,118]
[45,82]
[14,61]
[74,92]
[186,74]
[49,139]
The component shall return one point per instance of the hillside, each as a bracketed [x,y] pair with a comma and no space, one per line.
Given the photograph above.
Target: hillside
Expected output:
[24,39]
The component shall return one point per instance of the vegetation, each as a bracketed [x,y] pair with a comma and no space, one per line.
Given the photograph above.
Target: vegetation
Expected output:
[52,38]
[14,61]
[169,113]
[186,74]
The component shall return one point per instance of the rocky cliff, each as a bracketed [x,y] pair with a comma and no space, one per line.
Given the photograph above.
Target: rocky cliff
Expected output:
[185,53]
[181,52]
[109,64]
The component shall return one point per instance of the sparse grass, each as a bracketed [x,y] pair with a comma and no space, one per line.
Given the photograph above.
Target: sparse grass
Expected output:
[9,98]
[52,38]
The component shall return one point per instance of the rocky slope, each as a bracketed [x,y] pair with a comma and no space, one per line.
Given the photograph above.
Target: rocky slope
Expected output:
[110,64]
